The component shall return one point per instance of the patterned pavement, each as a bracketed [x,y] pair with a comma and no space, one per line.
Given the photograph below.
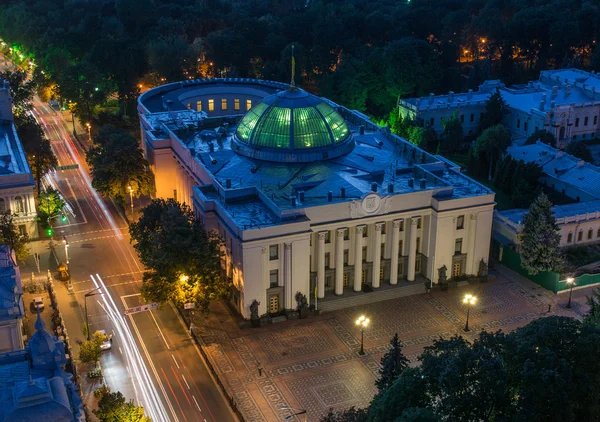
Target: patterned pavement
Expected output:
[314,364]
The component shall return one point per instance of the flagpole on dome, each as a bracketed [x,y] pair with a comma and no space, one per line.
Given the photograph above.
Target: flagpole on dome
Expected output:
[293,83]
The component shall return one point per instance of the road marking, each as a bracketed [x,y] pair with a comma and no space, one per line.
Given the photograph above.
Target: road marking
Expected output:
[173,393]
[160,331]
[186,383]
[175,360]
[197,405]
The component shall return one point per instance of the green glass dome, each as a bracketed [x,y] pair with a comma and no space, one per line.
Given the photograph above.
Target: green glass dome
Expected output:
[293,126]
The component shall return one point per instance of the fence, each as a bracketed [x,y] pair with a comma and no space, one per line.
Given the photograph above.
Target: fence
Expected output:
[581,281]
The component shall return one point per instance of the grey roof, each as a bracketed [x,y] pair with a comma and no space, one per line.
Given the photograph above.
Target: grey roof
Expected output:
[562,213]
[453,100]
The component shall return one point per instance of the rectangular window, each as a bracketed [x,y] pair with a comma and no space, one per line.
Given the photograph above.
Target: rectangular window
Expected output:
[598,234]
[525,126]
[419,223]
[224,104]
[364,251]
[328,281]
[198,105]
[570,238]
[590,234]
[365,231]
[458,246]
[462,118]
[577,122]
[211,105]
[248,104]
[345,256]
[273,252]
[400,249]
[460,222]
[579,235]
[189,106]
[274,278]
[383,228]
[418,266]
[327,236]
[22,229]
[327,255]
[401,225]
[418,245]
[518,123]
[432,122]
[236,104]
[401,269]
[175,194]
[472,118]
[346,234]
[382,250]
[595,119]
[586,120]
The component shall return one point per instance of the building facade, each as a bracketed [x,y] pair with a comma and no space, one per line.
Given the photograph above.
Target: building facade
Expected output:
[11,306]
[17,184]
[309,196]
[564,102]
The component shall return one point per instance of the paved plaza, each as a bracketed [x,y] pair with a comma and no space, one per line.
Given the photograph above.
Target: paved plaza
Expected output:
[314,363]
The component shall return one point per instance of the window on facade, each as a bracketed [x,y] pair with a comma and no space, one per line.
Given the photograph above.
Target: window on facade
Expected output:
[458,246]
[419,223]
[327,236]
[579,235]
[460,222]
[345,256]
[273,252]
[525,126]
[198,105]
[211,105]
[418,244]
[22,229]
[189,106]
[346,234]
[19,204]
[472,118]
[595,119]
[328,281]
[327,256]
[236,104]
[462,118]
[432,122]
[585,120]
[401,268]
[401,225]
[365,231]
[248,104]
[590,234]
[2,204]
[274,278]
[518,123]
[577,122]
[400,249]
[418,265]
[364,252]
[570,238]
[598,233]
[383,228]
[382,250]
[224,104]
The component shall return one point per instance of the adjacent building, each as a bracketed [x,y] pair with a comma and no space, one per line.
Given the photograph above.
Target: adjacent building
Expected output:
[11,302]
[307,195]
[565,102]
[16,180]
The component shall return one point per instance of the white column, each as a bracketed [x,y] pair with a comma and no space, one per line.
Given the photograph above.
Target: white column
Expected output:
[412,249]
[358,236]
[395,251]
[321,265]
[376,256]
[287,281]
[472,267]
[339,262]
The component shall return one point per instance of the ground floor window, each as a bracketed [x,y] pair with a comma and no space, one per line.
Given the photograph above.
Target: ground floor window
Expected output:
[328,281]
[22,229]
[273,304]
[456,270]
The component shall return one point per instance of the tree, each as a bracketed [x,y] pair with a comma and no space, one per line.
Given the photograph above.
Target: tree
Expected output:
[452,134]
[392,365]
[495,110]
[183,259]
[50,204]
[540,238]
[21,90]
[348,415]
[112,407]
[491,144]
[169,57]
[10,235]
[580,150]
[116,163]
[425,138]
[90,350]
[541,135]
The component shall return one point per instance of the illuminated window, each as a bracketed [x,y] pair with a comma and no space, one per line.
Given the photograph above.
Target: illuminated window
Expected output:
[211,105]
[381,274]
[364,275]
[19,204]
[198,105]
[189,106]
[224,104]
[236,104]
[248,104]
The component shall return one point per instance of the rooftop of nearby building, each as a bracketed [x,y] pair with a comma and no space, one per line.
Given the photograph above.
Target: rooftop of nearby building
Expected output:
[561,166]
[578,211]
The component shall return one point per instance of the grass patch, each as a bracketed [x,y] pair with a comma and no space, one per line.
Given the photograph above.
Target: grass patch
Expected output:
[578,256]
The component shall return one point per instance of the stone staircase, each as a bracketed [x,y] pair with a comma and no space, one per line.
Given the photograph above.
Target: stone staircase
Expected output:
[372,297]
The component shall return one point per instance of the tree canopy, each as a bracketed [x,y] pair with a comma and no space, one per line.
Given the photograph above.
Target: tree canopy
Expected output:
[10,235]
[580,150]
[90,350]
[183,259]
[112,407]
[495,110]
[491,144]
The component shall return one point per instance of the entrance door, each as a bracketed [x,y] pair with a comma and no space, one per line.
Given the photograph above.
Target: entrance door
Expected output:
[274,304]
[456,269]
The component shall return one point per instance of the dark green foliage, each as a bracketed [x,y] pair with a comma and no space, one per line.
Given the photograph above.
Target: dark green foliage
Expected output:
[495,110]
[349,415]
[491,145]
[392,365]
[580,150]
[452,135]
[112,407]
[541,135]
[10,235]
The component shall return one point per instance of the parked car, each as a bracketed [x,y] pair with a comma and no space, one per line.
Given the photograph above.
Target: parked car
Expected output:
[107,344]
[38,303]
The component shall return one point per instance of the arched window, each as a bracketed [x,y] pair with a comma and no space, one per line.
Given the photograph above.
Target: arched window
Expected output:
[2,205]
[19,205]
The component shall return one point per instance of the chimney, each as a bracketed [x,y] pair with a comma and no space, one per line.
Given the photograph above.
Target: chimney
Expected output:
[552,104]
[559,154]
[5,102]
[329,196]
[294,202]
[411,183]
[431,97]
[450,96]
[228,183]
[374,187]
[470,95]
[391,188]
[301,195]
[568,90]
[554,91]
[362,129]
[423,183]
[343,192]
[542,105]
[580,163]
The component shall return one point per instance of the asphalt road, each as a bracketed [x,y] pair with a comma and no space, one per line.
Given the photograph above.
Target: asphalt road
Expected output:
[153,360]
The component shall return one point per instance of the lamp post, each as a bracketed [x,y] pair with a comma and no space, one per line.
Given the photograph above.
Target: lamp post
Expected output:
[469,300]
[571,282]
[89,129]
[131,199]
[362,322]
[92,292]
[298,412]
[66,248]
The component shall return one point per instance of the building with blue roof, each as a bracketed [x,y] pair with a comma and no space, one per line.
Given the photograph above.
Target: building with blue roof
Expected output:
[307,195]
[11,302]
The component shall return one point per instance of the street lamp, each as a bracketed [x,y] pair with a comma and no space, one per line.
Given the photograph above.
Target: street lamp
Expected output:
[298,412]
[66,248]
[362,322]
[131,199]
[469,300]
[92,292]
[571,282]
[89,129]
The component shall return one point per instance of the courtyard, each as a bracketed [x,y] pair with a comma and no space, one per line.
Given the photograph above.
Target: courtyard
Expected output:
[314,364]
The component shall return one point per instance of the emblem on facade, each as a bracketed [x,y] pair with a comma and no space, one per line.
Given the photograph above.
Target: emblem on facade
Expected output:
[371,204]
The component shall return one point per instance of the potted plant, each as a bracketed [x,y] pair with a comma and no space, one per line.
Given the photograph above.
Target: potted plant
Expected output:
[302,305]
[442,280]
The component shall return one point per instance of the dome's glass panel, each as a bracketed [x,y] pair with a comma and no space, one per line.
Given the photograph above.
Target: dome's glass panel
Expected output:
[244,130]
[335,122]
[310,130]
[273,130]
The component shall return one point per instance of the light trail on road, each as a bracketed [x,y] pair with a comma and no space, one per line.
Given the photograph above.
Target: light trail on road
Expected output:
[151,399]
